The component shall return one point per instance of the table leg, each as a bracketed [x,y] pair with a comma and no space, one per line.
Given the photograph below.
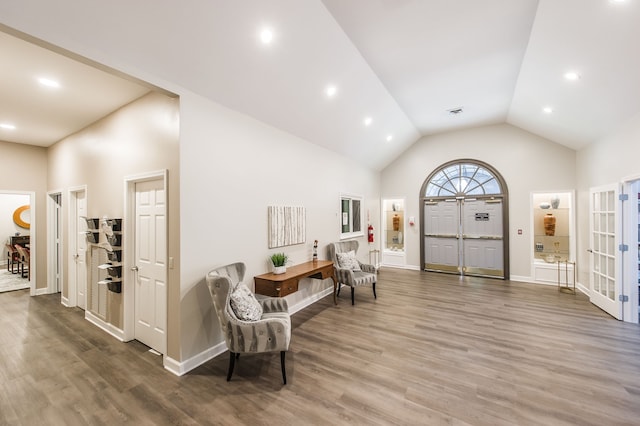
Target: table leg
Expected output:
[335,288]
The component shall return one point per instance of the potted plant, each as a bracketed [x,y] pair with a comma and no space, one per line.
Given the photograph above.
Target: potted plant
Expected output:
[279,262]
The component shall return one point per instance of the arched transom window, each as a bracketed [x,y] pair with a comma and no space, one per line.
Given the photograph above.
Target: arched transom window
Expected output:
[463,179]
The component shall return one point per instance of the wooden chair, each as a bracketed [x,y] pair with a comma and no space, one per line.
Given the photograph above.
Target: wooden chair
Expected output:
[24,257]
[12,258]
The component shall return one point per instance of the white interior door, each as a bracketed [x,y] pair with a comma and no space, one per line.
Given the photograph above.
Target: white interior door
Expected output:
[54,248]
[441,233]
[80,255]
[150,313]
[482,237]
[605,260]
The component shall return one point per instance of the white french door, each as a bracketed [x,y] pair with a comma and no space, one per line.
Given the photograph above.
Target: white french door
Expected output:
[604,269]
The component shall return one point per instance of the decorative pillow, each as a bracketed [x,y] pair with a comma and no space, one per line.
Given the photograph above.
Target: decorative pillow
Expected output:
[244,304]
[348,261]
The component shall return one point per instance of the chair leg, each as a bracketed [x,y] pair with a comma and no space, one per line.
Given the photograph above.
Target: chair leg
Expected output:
[284,372]
[374,291]
[339,287]
[232,363]
[352,295]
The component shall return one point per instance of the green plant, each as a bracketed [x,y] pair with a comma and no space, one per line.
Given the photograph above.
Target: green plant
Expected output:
[279,259]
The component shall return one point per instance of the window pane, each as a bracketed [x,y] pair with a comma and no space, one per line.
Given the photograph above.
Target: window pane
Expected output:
[345,216]
[355,204]
[612,289]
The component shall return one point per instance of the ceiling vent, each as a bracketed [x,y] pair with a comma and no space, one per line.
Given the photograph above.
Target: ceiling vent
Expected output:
[455,111]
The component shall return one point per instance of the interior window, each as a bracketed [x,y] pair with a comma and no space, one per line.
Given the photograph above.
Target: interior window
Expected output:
[351,216]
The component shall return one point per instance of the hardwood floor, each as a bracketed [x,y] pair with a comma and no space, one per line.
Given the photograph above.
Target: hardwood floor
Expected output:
[432,349]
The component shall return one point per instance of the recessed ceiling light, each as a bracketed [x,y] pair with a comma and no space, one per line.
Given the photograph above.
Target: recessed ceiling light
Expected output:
[7,126]
[389,138]
[266,36]
[331,91]
[367,121]
[547,110]
[571,75]
[48,82]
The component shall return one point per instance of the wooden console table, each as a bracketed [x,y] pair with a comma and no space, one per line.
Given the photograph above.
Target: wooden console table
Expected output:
[279,285]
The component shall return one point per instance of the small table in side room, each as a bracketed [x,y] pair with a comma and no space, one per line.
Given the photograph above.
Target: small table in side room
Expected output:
[279,285]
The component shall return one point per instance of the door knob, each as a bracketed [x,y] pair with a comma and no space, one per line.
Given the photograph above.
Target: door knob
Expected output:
[134,268]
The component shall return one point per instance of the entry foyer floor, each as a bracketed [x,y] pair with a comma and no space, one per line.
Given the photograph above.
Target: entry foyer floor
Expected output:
[432,349]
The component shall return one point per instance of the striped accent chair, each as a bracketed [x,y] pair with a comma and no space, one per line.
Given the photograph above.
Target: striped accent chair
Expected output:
[270,333]
[357,275]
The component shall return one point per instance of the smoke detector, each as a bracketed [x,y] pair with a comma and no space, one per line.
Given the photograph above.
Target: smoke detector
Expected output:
[455,111]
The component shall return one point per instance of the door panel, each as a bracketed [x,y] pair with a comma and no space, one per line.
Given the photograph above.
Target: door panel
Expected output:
[442,224]
[150,259]
[441,254]
[482,237]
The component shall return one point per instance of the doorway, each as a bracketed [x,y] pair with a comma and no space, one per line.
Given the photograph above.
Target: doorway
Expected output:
[631,256]
[54,241]
[21,230]
[465,220]
[145,302]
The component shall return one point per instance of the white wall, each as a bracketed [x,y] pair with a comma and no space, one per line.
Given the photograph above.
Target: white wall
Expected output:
[232,168]
[526,162]
[610,160]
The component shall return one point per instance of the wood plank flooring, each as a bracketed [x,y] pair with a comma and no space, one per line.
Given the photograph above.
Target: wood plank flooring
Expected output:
[433,349]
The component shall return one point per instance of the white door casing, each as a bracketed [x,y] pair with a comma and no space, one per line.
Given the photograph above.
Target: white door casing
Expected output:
[150,264]
[604,267]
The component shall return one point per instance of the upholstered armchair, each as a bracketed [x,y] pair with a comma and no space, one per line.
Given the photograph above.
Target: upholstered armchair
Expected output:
[349,270]
[249,325]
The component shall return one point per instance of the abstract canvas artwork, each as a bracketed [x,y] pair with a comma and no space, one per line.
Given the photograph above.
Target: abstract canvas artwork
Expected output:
[287,226]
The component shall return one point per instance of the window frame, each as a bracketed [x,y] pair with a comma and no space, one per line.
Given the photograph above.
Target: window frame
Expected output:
[347,223]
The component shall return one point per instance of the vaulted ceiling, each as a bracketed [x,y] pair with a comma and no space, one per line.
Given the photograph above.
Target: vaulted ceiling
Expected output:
[398,68]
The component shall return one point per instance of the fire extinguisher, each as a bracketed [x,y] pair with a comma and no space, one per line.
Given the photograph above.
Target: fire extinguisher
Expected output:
[370,233]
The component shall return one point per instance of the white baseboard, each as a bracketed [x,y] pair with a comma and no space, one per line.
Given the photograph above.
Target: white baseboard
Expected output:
[180,368]
[105,326]
[64,301]
[41,291]
[310,300]
[409,267]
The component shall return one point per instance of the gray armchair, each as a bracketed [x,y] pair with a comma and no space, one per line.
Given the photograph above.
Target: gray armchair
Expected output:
[357,275]
[270,333]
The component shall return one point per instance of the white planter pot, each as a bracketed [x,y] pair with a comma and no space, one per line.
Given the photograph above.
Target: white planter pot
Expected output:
[279,269]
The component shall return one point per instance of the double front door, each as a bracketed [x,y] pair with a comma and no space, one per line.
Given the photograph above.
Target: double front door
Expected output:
[464,236]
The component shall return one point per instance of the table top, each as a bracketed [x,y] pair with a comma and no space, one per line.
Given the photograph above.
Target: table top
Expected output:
[295,271]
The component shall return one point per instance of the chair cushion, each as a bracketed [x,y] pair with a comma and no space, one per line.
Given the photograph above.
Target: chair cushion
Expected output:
[348,260]
[244,304]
